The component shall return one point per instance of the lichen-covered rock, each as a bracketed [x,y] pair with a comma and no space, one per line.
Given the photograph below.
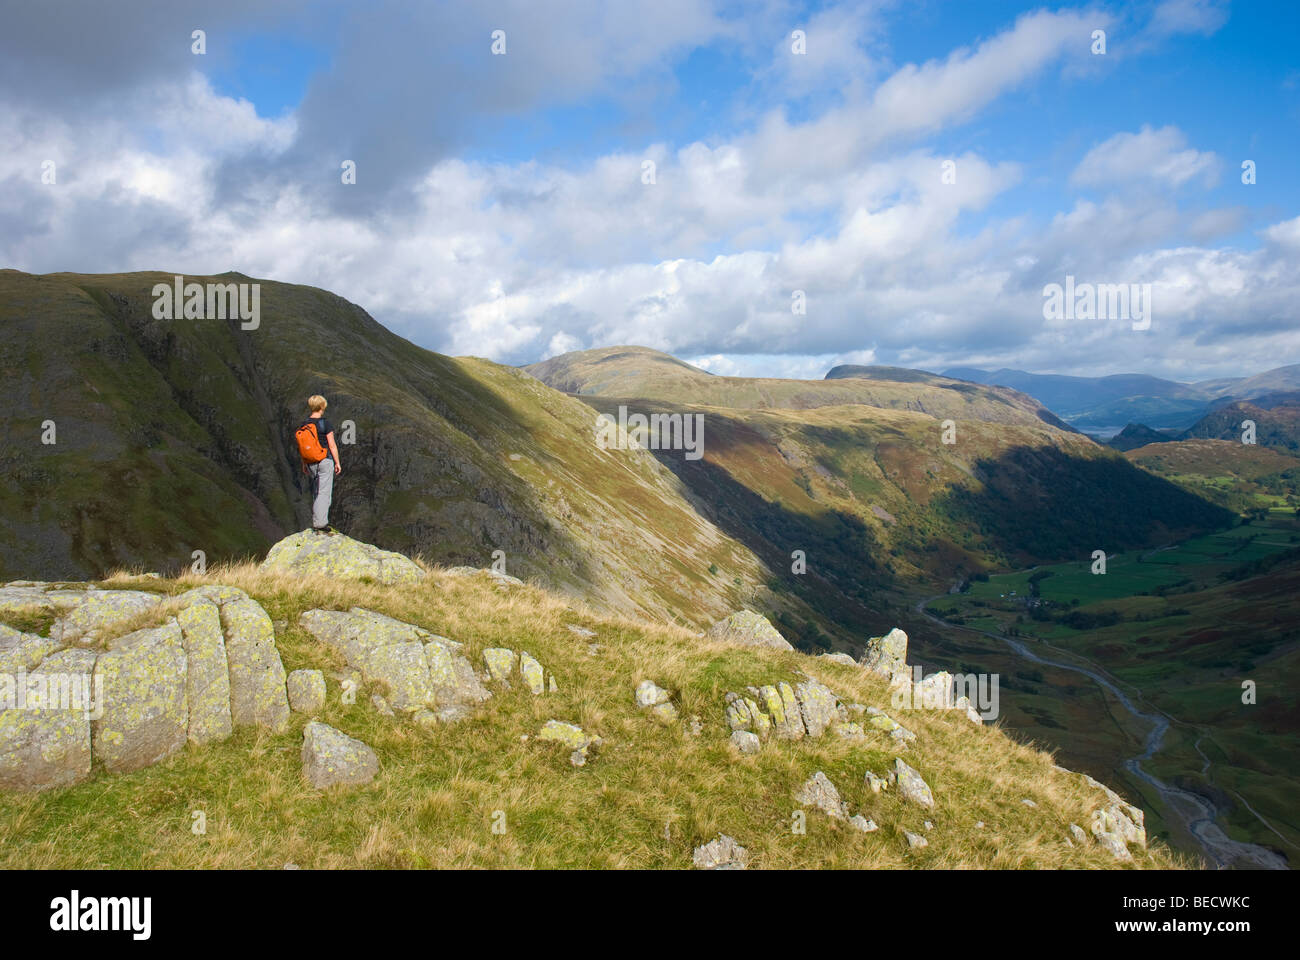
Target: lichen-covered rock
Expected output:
[47,746]
[648,694]
[216,593]
[886,655]
[500,662]
[501,579]
[257,694]
[859,822]
[331,757]
[963,704]
[875,783]
[571,736]
[306,691]
[935,692]
[22,651]
[1076,831]
[207,673]
[656,698]
[724,853]
[456,688]
[843,658]
[86,619]
[820,793]
[386,651]
[744,714]
[783,708]
[1116,823]
[903,735]
[915,840]
[818,707]
[665,713]
[911,785]
[745,742]
[341,558]
[533,673]
[145,713]
[749,629]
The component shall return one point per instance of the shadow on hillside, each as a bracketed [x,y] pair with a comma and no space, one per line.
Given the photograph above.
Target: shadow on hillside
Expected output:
[1040,505]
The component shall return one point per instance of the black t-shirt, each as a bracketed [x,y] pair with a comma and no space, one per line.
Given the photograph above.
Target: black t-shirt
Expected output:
[323,430]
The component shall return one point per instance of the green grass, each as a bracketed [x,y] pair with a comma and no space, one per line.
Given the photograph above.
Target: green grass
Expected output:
[650,794]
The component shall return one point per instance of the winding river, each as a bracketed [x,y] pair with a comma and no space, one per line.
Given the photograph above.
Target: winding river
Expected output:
[1198,814]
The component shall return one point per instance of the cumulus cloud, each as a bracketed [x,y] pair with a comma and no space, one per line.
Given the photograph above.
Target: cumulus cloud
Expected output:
[1148,156]
[897,257]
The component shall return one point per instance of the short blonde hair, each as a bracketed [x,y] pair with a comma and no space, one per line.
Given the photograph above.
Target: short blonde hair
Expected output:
[317,402]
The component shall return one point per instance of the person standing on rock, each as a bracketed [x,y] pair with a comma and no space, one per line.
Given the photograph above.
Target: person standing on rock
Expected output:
[320,461]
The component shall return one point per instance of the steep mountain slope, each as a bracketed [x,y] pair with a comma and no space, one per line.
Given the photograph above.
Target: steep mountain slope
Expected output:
[1276,418]
[1242,477]
[173,436]
[873,500]
[650,375]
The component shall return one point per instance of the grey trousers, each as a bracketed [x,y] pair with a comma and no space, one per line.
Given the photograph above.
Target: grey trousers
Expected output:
[322,487]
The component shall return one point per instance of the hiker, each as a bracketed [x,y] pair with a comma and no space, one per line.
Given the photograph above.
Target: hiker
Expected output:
[318,462]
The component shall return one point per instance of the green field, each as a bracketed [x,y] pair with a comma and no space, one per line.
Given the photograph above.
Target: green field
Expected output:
[1183,628]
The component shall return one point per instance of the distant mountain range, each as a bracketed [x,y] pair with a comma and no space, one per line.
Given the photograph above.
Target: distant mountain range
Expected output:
[1102,406]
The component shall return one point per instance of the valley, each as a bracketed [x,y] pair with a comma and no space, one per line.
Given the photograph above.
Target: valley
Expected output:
[1140,632]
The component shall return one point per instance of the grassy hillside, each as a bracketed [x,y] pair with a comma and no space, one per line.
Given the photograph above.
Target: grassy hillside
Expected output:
[173,436]
[651,375]
[1243,477]
[649,795]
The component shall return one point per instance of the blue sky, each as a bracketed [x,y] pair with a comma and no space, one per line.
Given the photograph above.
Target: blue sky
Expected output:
[501,208]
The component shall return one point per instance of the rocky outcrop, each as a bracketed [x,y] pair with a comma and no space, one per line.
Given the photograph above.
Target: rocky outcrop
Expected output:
[257,678]
[330,758]
[194,677]
[83,612]
[341,558]
[886,655]
[1116,823]
[46,746]
[748,629]
[791,712]
[419,670]
[146,713]
[207,676]
[723,853]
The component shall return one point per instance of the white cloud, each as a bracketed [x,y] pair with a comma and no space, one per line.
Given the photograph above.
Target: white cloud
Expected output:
[1148,156]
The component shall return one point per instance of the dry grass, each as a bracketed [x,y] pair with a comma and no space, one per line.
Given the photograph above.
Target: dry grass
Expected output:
[649,796]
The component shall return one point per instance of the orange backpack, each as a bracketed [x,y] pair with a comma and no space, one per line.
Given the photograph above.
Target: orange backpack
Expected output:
[309,445]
